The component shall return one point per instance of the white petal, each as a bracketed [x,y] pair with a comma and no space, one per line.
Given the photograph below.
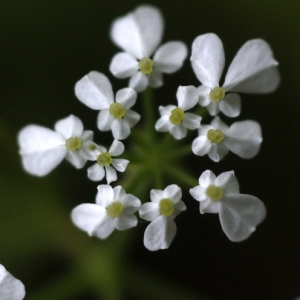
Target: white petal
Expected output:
[201,145]
[116,148]
[240,214]
[69,127]
[178,208]
[89,150]
[228,182]
[131,117]
[111,174]
[41,149]
[207,178]
[204,97]
[119,193]
[130,203]
[105,229]
[178,131]
[163,124]
[191,121]
[120,164]
[120,129]
[204,129]
[187,97]
[231,105]
[138,82]
[166,110]
[173,192]
[124,222]
[160,233]
[140,32]
[218,152]
[209,206]
[123,65]
[105,195]
[105,120]
[255,58]
[126,97]
[156,195]
[198,193]
[208,59]
[149,211]
[87,135]
[155,79]
[170,56]
[76,159]
[217,123]
[95,91]
[213,108]
[95,172]
[244,138]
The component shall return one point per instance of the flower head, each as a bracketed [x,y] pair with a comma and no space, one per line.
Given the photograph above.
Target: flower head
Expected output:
[43,149]
[175,119]
[239,213]
[11,288]
[139,33]
[113,209]
[95,91]
[242,138]
[253,70]
[161,211]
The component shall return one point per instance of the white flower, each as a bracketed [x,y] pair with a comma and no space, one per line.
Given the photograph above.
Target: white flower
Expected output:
[11,288]
[95,91]
[113,209]
[43,149]
[242,138]
[253,70]
[161,212]
[104,159]
[239,213]
[174,119]
[139,33]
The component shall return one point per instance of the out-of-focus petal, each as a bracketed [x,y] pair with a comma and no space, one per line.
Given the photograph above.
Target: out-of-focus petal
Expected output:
[105,195]
[228,182]
[124,222]
[111,174]
[201,145]
[156,195]
[116,148]
[149,211]
[130,204]
[207,178]
[105,120]
[95,172]
[209,206]
[155,79]
[138,82]
[120,129]
[187,97]
[120,164]
[204,97]
[213,108]
[218,152]
[126,97]
[178,131]
[76,159]
[163,124]
[172,192]
[123,65]
[69,127]
[198,193]
[231,105]
[217,123]
[191,121]
[131,117]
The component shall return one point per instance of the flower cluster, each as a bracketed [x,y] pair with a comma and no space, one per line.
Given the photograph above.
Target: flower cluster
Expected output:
[144,60]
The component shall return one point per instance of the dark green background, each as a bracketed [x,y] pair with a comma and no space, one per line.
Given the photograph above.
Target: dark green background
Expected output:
[46,46]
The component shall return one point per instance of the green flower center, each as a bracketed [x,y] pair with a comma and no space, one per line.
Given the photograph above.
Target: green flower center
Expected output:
[114,210]
[217,94]
[73,143]
[215,193]
[215,136]
[177,114]
[146,65]
[117,110]
[166,207]
[104,159]
[92,147]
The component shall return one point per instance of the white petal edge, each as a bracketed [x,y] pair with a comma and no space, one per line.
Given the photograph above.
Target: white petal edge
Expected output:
[187,97]
[123,65]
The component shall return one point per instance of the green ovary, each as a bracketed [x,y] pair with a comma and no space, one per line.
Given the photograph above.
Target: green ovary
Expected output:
[166,207]
[177,114]
[146,65]
[104,159]
[114,210]
[117,110]
[73,143]
[217,94]
[215,136]
[215,193]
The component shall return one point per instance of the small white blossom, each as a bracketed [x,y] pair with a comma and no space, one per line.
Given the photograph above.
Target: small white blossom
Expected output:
[161,212]
[105,161]
[95,91]
[11,288]
[113,209]
[253,70]
[42,149]
[242,138]
[239,213]
[139,33]
[174,119]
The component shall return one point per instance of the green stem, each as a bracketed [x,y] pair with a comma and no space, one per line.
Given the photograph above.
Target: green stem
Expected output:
[181,175]
[149,114]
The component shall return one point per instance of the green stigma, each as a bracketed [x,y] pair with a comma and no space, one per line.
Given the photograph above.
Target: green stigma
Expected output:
[146,65]
[215,193]
[73,143]
[215,136]
[104,159]
[166,207]
[177,114]
[217,94]
[92,147]
[117,110]
[114,210]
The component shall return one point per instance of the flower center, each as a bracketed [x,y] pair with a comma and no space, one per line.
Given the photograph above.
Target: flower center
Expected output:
[117,110]
[217,94]
[166,207]
[73,143]
[215,136]
[215,193]
[104,159]
[177,114]
[146,65]
[92,147]
[114,210]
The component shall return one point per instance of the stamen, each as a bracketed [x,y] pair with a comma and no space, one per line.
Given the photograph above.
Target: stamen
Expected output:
[215,136]
[177,114]
[146,65]
[166,207]
[117,110]
[217,94]
[104,159]
[215,193]
[114,210]
[73,143]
